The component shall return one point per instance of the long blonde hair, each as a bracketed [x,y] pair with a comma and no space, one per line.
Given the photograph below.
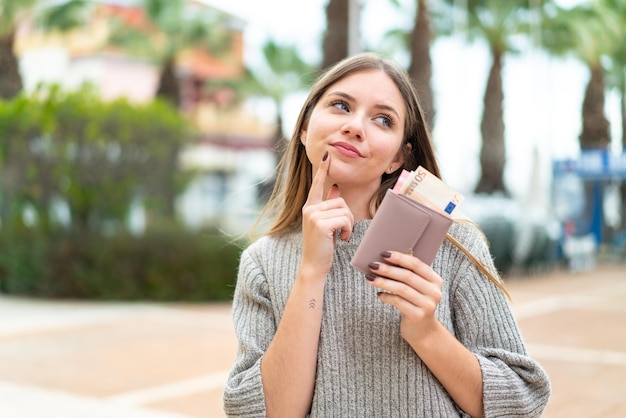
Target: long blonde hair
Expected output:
[294,170]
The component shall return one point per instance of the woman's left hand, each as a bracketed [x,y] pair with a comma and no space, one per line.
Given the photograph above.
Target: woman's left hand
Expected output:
[416,292]
[415,289]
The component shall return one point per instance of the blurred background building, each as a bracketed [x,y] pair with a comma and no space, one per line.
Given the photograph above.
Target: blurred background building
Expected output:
[232,153]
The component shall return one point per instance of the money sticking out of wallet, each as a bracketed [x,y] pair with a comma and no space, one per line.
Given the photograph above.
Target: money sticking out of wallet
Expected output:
[413,217]
[426,188]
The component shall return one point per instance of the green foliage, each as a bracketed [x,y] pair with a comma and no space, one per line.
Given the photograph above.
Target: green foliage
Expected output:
[60,16]
[500,233]
[176,26]
[588,31]
[96,157]
[282,71]
[164,264]
[498,22]
[21,250]
[64,16]
[11,10]
[179,25]
[542,253]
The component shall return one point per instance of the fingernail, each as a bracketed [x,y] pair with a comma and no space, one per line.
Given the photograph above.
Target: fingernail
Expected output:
[370,276]
[385,254]
[373,266]
[325,156]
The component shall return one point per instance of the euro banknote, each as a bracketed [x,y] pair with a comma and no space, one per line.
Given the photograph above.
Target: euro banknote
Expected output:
[426,188]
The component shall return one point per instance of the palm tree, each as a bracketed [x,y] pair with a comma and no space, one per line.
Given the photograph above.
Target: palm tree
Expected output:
[10,80]
[62,16]
[420,68]
[495,22]
[288,73]
[616,76]
[616,71]
[336,38]
[418,43]
[285,72]
[587,31]
[174,26]
[13,13]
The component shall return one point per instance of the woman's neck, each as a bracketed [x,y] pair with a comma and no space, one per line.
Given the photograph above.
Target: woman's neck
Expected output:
[358,200]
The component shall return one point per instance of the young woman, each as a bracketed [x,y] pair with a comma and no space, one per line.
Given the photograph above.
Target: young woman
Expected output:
[319,338]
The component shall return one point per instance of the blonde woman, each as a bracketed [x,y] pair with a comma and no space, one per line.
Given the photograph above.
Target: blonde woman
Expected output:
[319,338]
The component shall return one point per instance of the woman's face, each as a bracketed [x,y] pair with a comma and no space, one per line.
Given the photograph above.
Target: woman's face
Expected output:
[360,122]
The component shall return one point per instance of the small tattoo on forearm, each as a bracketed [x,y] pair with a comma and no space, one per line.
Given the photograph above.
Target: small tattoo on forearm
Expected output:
[312,304]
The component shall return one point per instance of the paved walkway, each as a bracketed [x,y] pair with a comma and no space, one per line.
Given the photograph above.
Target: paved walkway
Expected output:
[126,360]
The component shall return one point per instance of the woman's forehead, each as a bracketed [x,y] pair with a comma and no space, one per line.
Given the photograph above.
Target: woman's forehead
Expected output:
[373,85]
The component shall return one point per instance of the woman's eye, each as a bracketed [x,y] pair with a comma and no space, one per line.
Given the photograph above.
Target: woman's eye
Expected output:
[340,104]
[385,120]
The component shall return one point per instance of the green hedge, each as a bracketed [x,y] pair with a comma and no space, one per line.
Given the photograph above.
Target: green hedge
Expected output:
[96,157]
[165,264]
[500,233]
[77,165]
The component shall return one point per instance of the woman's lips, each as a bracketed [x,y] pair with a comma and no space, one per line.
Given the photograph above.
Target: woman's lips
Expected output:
[347,149]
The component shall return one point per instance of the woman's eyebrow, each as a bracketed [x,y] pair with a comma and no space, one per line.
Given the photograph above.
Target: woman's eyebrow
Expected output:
[378,106]
[342,94]
[388,108]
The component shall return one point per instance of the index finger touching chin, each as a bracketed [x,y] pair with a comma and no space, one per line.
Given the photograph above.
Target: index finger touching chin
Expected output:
[316,193]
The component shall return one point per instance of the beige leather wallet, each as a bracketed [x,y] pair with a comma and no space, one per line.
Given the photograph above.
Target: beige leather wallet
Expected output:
[402,224]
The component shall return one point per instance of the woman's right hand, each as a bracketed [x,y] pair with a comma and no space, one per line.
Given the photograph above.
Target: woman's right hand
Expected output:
[321,219]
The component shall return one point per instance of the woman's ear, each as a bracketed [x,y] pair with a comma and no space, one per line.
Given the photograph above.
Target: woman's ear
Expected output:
[303,136]
[399,158]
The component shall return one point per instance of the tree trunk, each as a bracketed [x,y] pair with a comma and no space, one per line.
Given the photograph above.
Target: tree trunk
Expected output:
[623,108]
[169,88]
[492,153]
[335,46]
[595,126]
[279,145]
[594,135]
[420,69]
[623,186]
[10,79]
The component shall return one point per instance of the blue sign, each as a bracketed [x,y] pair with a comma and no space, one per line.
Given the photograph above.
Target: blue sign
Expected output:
[594,165]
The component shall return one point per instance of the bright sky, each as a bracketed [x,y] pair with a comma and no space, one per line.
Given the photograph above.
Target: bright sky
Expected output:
[543,96]
[300,21]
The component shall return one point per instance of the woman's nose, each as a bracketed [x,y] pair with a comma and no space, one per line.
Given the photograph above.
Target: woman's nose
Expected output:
[354,127]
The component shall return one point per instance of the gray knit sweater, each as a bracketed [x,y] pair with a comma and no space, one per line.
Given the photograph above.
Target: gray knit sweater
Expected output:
[364,367]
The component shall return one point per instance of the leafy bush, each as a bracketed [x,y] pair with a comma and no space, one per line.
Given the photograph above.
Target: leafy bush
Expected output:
[500,233]
[164,264]
[542,254]
[95,160]
[96,157]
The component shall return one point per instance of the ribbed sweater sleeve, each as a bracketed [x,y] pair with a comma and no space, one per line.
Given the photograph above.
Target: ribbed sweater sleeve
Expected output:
[255,327]
[514,385]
